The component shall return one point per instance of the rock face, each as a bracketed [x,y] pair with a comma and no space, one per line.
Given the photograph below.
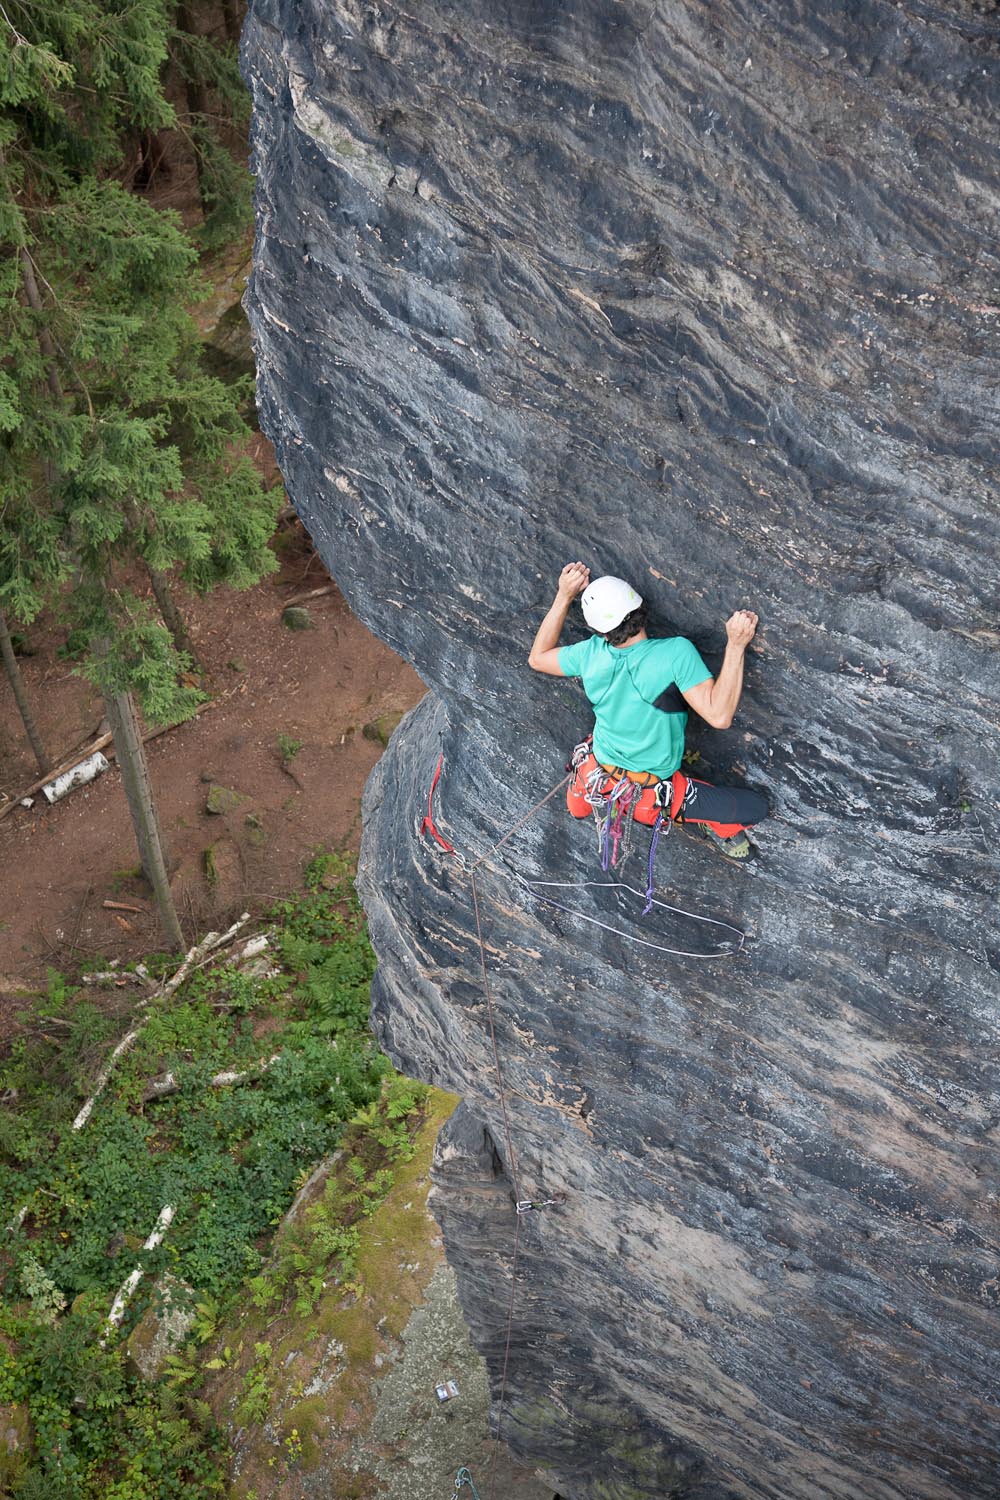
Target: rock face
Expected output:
[706,296]
[163,1327]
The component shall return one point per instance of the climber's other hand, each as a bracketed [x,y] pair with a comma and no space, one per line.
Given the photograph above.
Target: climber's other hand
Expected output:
[741,627]
[573,580]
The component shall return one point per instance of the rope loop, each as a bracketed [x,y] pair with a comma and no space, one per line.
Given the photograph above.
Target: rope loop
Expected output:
[463,1478]
[428,825]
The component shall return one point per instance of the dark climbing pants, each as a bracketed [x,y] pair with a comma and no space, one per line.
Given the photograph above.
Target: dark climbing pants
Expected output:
[726,809]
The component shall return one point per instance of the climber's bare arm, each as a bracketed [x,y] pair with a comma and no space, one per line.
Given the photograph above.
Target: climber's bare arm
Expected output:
[716,698]
[544,654]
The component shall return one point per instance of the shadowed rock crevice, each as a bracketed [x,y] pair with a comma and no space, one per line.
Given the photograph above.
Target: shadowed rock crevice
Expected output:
[707,297]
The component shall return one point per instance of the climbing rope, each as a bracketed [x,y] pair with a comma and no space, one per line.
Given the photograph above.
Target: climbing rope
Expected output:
[487,991]
[651,871]
[506,1355]
[522,1205]
[531,886]
[511,1166]
[463,1478]
[612,841]
[521,821]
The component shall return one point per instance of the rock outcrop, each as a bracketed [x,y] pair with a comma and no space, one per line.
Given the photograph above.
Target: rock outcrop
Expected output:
[708,297]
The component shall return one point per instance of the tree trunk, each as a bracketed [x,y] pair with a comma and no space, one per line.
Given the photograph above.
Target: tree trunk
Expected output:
[135,774]
[149,160]
[232,19]
[21,696]
[45,342]
[172,617]
[197,102]
[194,89]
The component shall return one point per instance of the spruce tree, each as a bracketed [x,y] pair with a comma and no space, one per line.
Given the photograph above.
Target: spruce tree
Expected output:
[120,455]
[213,88]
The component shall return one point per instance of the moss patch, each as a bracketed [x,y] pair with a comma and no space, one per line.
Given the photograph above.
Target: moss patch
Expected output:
[15,1444]
[325,1367]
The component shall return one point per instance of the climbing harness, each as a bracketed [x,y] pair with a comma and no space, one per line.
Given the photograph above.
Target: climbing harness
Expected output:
[463,1478]
[592,784]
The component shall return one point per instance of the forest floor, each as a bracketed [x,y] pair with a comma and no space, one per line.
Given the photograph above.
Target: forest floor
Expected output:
[297,721]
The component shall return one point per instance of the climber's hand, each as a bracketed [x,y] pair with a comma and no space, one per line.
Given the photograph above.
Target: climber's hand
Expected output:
[741,627]
[573,580]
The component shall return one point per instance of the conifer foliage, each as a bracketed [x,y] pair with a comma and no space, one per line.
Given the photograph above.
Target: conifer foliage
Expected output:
[120,455]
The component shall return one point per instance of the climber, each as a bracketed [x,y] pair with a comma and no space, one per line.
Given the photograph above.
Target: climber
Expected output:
[640,689]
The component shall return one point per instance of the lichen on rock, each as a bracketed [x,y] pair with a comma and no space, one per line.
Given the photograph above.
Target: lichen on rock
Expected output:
[706,298]
[163,1327]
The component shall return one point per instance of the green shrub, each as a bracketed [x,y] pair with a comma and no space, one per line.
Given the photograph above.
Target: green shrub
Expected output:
[229,1161]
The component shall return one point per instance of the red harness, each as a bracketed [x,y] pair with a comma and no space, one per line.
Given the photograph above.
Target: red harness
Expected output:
[650,802]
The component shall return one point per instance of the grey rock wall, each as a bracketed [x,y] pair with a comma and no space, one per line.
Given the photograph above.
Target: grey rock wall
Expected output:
[707,296]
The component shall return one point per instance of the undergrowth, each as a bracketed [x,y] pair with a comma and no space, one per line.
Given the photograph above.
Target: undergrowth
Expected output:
[227,1159]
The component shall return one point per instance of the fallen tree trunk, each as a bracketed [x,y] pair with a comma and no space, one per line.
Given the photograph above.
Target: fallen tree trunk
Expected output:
[138,975]
[214,941]
[127,1289]
[210,941]
[101,743]
[328,588]
[168,1083]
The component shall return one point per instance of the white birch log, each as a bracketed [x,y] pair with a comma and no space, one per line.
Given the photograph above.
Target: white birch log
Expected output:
[124,1045]
[138,975]
[254,946]
[167,1083]
[128,1287]
[212,940]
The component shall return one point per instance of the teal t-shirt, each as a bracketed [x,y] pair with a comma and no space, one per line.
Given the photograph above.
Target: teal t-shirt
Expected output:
[623,684]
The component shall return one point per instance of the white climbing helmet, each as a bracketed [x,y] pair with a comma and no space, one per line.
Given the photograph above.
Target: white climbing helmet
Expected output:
[607,601]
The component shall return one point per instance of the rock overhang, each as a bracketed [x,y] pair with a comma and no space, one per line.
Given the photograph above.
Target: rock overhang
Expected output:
[532,286]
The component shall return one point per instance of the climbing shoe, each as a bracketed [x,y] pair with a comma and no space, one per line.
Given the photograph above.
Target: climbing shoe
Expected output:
[737,847]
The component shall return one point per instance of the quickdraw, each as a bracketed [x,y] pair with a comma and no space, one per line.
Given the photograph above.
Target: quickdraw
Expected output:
[525,1205]
[428,825]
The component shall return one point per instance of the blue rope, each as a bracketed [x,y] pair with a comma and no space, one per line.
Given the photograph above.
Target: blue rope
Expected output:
[606,840]
[652,864]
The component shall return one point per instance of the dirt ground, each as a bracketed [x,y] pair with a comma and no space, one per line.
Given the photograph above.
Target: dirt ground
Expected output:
[327,696]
